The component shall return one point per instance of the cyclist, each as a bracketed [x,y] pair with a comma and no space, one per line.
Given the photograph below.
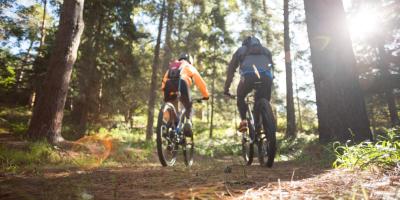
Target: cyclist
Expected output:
[255,63]
[181,74]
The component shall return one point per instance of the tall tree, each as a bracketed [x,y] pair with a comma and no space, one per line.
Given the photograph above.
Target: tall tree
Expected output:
[49,110]
[154,79]
[389,96]
[43,28]
[290,115]
[340,102]
[88,74]
[168,33]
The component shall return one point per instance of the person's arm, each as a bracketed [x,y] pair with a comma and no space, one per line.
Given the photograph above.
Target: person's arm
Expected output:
[164,80]
[199,81]
[230,72]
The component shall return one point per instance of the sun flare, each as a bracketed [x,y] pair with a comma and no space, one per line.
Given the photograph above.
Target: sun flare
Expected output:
[364,23]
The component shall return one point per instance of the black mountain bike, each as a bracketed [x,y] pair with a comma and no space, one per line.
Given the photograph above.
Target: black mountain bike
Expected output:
[261,131]
[170,135]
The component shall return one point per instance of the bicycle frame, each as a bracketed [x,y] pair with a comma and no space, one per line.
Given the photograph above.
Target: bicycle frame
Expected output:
[254,118]
[251,119]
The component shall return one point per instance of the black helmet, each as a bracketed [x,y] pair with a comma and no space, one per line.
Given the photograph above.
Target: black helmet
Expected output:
[185,56]
[250,40]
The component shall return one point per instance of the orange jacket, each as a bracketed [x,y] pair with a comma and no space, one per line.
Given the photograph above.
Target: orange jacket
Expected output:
[189,72]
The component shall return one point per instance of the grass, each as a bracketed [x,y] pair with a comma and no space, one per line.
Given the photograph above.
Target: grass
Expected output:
[14,119]
[383,153]
[128,145]
[37,153]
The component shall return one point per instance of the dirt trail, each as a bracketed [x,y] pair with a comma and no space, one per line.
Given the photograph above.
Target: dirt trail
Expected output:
[207,179]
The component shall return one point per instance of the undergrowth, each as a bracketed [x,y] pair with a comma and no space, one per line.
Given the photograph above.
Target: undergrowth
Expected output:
[383,153]
[38,153]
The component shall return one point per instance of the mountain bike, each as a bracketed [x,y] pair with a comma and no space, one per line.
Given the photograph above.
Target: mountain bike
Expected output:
[261,131]
[170,135]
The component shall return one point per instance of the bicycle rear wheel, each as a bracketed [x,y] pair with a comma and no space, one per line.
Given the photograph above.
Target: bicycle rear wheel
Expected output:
[166,146]
[267,141]
[247,145]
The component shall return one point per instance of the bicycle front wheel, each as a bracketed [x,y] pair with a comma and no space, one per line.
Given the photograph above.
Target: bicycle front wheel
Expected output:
[166,146]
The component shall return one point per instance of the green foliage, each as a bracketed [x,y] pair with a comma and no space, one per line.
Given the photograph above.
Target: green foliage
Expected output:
[38,153]
[14,119]
[7,77]
[384,153]
[305,149]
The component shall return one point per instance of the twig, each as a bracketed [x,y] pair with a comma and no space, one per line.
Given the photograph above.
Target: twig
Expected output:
[291,179]
[280,190]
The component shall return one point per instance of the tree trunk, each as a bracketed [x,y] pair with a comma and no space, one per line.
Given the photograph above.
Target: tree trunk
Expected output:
[212,97]
[298,103]
[20,70]
[268,36]
[88,75]
[48,112]
[372,114]
[390,100]
[154,79]
[180,24]
[42,29]
[290,115]
[341,107]
[35,86]
[168,34]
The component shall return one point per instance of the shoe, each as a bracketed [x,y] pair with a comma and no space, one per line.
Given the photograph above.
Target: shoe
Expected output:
[187,129]
[243,126]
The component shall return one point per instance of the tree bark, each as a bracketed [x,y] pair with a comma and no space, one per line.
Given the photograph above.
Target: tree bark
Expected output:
[290,112]
[300,128]
[341,107]
[39,53]
[42,29]
[88,75]
[390,100]
[154,79]
[48,111]
[214,72]
[168,34]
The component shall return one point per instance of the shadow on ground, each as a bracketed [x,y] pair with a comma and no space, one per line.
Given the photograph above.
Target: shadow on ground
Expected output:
[208,179]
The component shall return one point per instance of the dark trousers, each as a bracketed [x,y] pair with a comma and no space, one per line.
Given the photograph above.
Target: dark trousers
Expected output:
[249,83]
[171,95]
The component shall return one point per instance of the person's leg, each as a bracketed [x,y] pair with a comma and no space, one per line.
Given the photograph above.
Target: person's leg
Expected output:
[244,88]
[186,99]
[187,103]
[264,90]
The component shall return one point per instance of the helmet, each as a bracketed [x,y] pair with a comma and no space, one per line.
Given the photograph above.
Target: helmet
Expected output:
[250,40]
[186,56]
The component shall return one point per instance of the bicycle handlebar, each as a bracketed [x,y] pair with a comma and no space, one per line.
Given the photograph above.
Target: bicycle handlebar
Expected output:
[198,100]
[231,96]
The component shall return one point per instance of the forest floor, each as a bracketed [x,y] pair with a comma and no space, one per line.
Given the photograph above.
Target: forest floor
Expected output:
[208,178]
[132,171]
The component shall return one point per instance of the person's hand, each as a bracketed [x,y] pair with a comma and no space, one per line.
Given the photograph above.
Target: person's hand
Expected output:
[206,98]
[226,93]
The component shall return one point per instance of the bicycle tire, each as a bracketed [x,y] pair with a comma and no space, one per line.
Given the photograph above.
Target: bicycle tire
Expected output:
[247,147]
[267,143]
[160,138]
[188,152]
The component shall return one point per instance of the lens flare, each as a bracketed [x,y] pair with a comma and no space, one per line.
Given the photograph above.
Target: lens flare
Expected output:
[364,23]
[97,148]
